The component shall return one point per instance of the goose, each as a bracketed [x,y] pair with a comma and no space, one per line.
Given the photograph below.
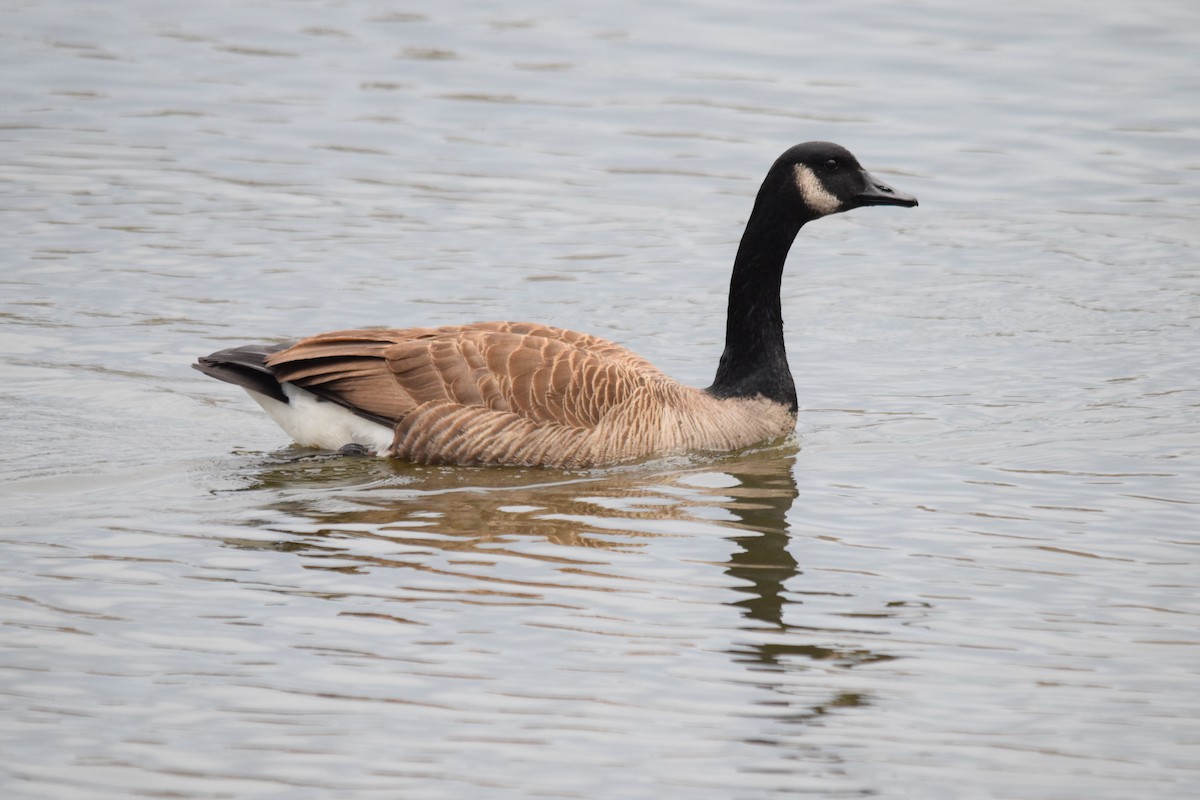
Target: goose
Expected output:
[526,394]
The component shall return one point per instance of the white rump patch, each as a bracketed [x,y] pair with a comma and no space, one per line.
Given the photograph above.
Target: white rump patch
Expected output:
[316,423]
[815,195]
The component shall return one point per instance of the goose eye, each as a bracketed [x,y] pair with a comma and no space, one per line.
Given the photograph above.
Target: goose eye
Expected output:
[831,164]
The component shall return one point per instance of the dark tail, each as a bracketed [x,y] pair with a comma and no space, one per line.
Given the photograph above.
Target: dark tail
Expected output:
[246,367]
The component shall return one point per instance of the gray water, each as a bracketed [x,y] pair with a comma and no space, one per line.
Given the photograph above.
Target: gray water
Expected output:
[973,574]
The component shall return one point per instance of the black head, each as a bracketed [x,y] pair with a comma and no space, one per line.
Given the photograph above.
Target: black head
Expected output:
[827,179]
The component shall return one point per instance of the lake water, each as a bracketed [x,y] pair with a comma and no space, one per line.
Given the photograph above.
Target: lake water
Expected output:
[974,574]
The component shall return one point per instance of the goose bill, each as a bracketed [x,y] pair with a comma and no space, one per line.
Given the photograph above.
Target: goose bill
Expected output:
[879,193]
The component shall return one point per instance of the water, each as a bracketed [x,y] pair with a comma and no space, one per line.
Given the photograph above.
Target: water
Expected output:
[974,574]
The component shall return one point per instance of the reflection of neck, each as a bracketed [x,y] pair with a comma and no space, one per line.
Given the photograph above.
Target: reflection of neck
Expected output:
[766,563]
[763,560]
[755,362]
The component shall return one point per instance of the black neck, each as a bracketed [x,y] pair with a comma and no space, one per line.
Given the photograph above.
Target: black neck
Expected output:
[755,362]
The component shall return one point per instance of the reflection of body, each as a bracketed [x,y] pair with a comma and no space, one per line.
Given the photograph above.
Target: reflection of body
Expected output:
[487,513]
[528,394]
[468,508]
[466,527]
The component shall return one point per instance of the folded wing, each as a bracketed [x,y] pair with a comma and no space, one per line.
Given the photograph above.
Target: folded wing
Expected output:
[484,393]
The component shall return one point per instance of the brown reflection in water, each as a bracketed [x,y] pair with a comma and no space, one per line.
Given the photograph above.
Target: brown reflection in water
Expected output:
[485,510]
[620,509]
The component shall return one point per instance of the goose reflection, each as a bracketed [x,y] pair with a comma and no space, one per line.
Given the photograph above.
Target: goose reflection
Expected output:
[330,499]
[765,494]
[766,491]
[326,506]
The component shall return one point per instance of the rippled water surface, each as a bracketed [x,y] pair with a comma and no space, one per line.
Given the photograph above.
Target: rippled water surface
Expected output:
[974,574]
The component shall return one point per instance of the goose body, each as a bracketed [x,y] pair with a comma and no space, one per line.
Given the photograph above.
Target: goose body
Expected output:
[521,393]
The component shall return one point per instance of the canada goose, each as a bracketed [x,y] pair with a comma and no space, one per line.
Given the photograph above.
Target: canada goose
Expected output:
[520,393]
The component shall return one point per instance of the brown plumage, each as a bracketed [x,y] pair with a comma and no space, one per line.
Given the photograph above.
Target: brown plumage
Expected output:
[520,393]
[529,394]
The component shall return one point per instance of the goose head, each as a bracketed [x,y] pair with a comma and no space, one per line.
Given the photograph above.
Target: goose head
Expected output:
[823,178]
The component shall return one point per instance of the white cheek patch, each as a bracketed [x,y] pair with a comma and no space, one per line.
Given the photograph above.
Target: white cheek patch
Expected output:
[815,195]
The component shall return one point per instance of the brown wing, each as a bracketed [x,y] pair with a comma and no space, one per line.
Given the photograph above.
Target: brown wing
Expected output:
[595,345]
[538,374]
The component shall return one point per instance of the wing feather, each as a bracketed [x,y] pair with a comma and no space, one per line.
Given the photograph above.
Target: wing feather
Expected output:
[539,374]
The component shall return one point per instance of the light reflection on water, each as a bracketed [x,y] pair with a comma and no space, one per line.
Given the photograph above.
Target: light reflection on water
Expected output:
[974,577]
